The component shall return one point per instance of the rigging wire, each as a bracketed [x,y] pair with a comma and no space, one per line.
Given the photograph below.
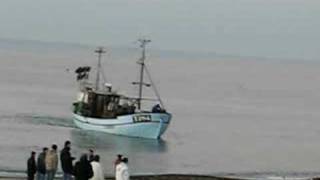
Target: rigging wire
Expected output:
[154,87]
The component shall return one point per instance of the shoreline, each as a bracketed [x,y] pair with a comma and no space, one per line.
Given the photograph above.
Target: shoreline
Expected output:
[150,177]
[180,177]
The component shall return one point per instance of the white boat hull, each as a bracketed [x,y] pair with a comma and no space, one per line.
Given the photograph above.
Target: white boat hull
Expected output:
[144,125]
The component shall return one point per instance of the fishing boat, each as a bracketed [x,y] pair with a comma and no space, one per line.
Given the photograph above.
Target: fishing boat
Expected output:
[99,108]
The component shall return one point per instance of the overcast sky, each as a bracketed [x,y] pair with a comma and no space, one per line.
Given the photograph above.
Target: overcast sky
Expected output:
[266,28]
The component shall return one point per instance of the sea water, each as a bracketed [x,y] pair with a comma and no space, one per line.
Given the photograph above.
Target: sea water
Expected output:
[233,116]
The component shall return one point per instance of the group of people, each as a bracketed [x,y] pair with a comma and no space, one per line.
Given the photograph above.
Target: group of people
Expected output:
[46,165]
[87,168]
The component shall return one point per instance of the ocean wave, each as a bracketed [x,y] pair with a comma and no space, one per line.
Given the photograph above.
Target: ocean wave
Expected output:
[40,119]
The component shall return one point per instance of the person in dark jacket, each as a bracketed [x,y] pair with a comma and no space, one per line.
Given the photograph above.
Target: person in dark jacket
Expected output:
[66,161]
[83,169]
[41,164]
[31,166]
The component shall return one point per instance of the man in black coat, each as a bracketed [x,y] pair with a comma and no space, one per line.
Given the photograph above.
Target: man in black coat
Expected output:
[31,166]
[83,169]
[41,164]
[66,161]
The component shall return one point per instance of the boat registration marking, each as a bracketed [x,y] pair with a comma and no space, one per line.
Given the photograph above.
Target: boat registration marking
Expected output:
[141,118]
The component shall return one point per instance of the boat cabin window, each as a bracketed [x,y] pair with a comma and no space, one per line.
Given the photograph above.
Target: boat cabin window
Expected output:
[96,105]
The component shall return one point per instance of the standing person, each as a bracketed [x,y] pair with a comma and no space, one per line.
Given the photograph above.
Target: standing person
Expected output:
[117,161]
[41,164]
[31,166]
[122,170]
[83,169]
[52,162]
[66,161]
[97,169]
[91,155]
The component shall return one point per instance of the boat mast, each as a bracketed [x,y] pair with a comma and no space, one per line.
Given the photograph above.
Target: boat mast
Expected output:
[141,62]
[99,51]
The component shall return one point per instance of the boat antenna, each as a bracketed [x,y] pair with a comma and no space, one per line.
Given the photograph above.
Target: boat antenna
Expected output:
[143,43]
[99,51]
